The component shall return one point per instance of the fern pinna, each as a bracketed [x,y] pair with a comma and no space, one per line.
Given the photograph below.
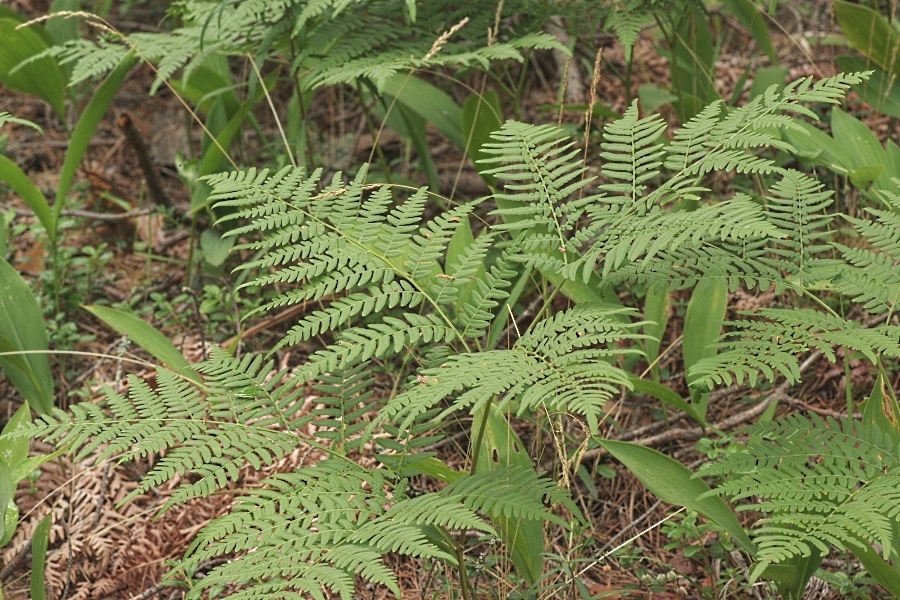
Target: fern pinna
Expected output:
[433,295]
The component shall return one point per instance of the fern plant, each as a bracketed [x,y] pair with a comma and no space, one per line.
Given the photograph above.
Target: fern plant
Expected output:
[426,294]
[822,483]
[327,42]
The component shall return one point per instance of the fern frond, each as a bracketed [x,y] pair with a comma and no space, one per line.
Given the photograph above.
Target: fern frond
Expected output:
[796,205]
[514,492]
[476,313]
[540,174]
[560,366]
[348,402]
[441,509]
[632,153]
[772,345]
[300,527]
[744,261]
[342,311]
[377,340]
[630,240]
[823,482]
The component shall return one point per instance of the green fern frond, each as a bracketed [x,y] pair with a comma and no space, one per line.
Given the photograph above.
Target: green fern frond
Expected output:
[342,311]
[709,143]
[377,340]
[476,312]
[540,173]
[559,366]
[514,492]
[632,153]
[631,240]
[439,509]
[772,345]
[348,403]
[744,262]
[823,482]
[796,205]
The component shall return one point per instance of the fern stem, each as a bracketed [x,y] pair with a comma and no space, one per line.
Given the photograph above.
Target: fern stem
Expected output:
[463,575]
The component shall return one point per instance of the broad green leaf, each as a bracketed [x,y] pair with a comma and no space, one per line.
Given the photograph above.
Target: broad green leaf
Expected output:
[87,124]
[870,33]
[413,127]
[481,114]
[42,78]
[28,466]
[664,394]
[749,15]
[880,570]
[13,450]
[766,77]
[792,575]
[146,336]
[39,544]
[652,96]
[859,145]
[881,410]
[22,326]
[27,191]
[10,520]
[656,315]
[692,67]
[215,247]
[880,90]
[816,147]
[862,177]
[672,482]
[703,322]
[427,101]
[205,85]
[892,164]
[435,467]
[15,361]
[5,220]
[63,29]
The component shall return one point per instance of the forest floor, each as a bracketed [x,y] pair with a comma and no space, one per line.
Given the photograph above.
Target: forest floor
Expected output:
[101,550]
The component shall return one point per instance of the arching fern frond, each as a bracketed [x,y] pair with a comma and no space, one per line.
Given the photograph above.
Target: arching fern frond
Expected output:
[771,345]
